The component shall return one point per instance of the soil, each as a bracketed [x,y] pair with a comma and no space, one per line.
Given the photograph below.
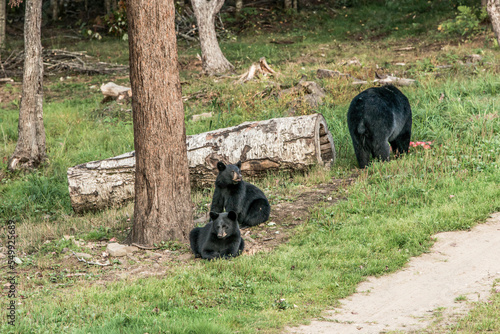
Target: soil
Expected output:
[460,268]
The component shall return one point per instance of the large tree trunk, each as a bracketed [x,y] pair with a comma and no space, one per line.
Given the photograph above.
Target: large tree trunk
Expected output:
[162,208]
[30,148]
[2,22]
[291,143]
[212,58]
[493,8]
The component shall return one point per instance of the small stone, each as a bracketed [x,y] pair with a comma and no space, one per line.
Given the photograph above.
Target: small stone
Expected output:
[271,224]
[83,255]
[17,260]
[2,256]
[116,250]
[65,250]
[156,265]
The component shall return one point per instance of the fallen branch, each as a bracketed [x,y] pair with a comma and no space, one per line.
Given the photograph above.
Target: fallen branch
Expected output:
[144,247]
[107,263]
[56,60]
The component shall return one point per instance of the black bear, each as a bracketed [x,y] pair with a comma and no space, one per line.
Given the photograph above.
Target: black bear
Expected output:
[377,116]
[220,238]
[233,194]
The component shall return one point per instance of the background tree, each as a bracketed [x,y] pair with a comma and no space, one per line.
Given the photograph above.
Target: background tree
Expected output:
[162,191]
[493,8]
[212,58]
[2,23]
[30,148]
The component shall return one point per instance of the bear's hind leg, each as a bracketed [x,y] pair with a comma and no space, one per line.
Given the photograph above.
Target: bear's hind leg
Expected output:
[361,151]
[193,240]
[258,212]
[402,143]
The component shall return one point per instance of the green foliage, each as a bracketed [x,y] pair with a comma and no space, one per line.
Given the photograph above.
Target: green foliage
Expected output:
[466,23]
[116,23]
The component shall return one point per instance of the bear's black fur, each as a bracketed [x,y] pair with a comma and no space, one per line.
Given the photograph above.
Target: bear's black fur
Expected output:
[220,238]
[233,194]
[377,116]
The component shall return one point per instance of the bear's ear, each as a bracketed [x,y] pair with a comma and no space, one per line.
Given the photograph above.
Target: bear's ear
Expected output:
[238,164]
[221,166]
[232,215]
[214,215]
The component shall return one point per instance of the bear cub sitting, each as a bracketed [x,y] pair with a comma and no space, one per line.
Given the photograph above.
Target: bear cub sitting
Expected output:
[220,238]
[233,194]
[377,116]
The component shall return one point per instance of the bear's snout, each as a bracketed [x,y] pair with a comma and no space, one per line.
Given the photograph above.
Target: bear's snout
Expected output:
[236,177]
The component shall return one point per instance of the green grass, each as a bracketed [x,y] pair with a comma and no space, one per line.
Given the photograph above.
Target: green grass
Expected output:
[389,215]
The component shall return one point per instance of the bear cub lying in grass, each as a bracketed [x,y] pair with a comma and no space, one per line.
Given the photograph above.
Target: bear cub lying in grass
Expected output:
[377,116]
[233,194]
[220,238]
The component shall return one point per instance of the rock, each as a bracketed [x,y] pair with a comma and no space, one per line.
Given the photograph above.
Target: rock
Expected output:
[116,250]
[17,260]
[83,255]
[2,256]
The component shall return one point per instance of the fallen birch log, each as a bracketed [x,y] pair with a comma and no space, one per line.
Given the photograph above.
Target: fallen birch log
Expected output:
[291,143]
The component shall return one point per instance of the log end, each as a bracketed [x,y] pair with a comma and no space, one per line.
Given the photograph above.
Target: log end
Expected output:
[325,147]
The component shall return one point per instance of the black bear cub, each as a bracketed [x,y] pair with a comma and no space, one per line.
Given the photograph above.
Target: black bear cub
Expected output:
[220,238]
[233,194]
[377,116]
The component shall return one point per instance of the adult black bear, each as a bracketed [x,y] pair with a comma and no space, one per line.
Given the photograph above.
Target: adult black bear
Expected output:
[233,194]
[220,238]
[377,116]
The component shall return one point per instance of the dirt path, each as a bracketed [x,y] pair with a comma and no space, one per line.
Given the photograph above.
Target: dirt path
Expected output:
[459,264]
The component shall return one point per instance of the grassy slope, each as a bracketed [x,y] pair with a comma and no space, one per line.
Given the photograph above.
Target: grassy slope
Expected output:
[390,214]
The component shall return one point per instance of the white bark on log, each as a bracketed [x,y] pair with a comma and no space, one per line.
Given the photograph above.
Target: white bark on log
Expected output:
[291,143]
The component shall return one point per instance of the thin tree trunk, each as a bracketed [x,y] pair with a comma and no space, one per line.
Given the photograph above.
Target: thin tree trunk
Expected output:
[30,148]
[287,4]
[54,5]
[2,23]
[162,208]
[107,5]
[493,8]
[238,7]
[212,58]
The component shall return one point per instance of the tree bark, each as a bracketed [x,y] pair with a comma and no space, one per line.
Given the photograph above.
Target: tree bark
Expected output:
[287,5]
[30,149]
[291,143]
[212,58]
[2,22]
[162,208]
[493,9]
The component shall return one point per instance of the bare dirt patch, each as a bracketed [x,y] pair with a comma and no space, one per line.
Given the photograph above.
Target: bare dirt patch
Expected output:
[461,267]
[286,214]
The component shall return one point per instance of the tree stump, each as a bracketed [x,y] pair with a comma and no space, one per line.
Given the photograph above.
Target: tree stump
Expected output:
[290,143]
